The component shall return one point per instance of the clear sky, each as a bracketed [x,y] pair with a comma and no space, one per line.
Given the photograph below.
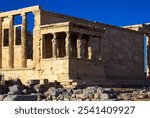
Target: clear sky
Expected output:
[115,12]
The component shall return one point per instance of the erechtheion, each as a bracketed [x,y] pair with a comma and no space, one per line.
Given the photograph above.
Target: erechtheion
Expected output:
[71,50]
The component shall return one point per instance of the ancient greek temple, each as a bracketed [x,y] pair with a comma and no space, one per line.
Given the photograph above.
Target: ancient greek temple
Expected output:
[71,50]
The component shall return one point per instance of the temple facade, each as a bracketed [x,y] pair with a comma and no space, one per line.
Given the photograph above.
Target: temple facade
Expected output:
[70,50]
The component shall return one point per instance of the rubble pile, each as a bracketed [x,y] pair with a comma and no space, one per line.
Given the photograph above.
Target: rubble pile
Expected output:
[14,90]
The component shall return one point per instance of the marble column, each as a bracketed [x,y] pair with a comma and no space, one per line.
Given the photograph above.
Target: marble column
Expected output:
[37,57]
[79,46]
[68,45]
[11,42]
[54,45]
[0,42]
[23,41]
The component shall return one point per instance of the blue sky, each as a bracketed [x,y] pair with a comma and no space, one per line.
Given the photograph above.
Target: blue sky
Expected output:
[115,12]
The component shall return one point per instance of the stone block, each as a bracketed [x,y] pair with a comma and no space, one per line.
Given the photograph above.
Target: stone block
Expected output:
[66,94]
[89,96]
[89,90]
[99,90]
[21,98]
[52,91]
[59,90]
[82,96]
[69,91]
[26,91]
[78,91]
[104,96]
[148,93]
[16,89]
[96,96]
[60,97]
[73,95]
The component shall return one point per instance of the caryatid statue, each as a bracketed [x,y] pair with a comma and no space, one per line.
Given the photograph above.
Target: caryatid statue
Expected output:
[79,46]
[54,44]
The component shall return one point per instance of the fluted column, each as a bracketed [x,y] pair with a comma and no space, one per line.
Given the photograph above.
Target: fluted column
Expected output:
[79,45]
[23,41]
[0,42]
[68,45]
[11,42]
[54,45]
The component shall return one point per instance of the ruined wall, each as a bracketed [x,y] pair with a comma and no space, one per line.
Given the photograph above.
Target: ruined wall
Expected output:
[122,54]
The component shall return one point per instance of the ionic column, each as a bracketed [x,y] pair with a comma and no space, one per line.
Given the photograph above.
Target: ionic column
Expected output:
[68,45]
[23,41]
[11,42]
[0,42]
[79,45]
[54,46]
